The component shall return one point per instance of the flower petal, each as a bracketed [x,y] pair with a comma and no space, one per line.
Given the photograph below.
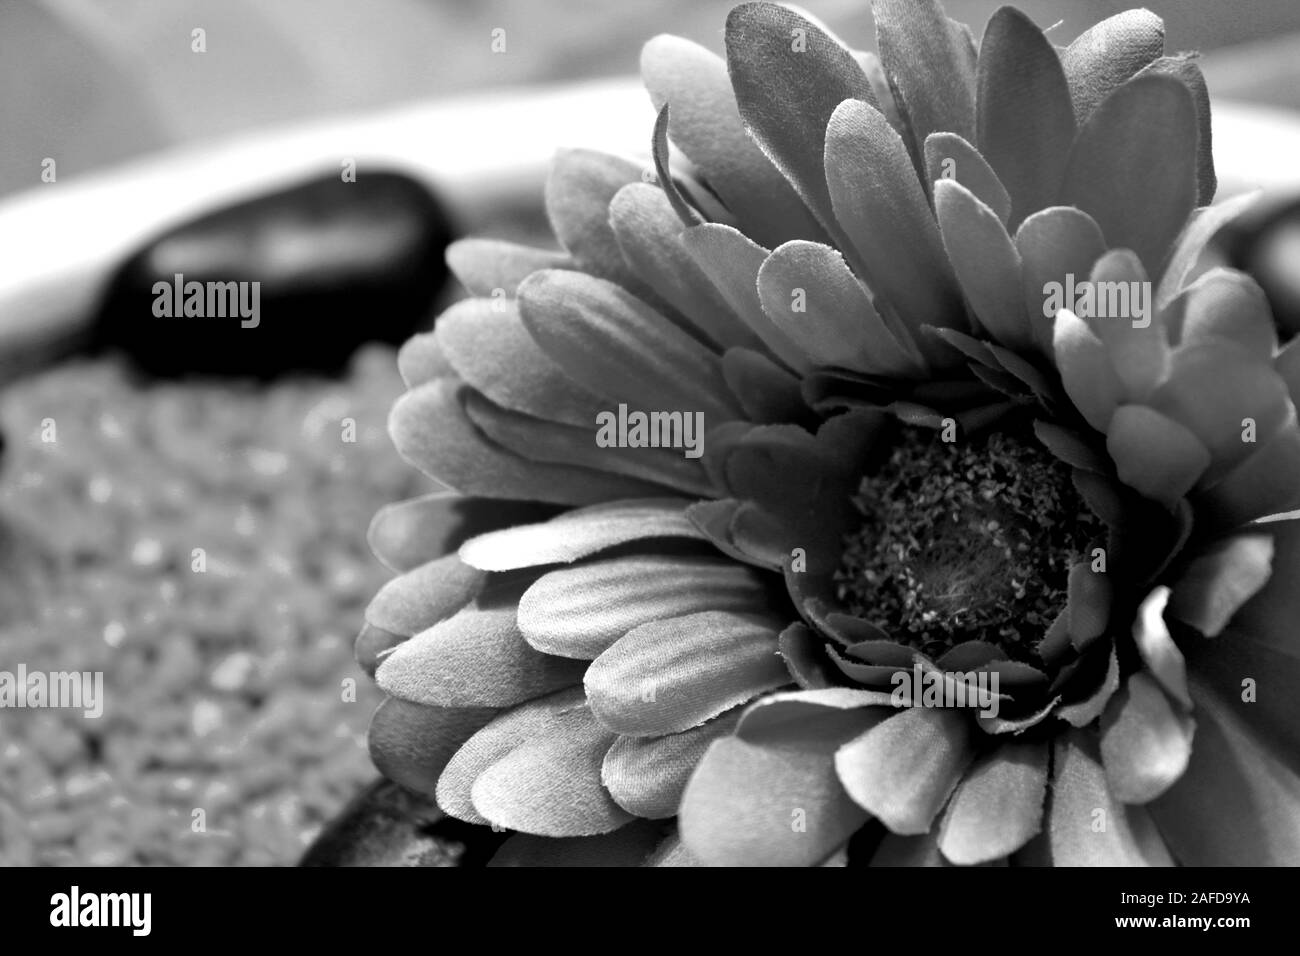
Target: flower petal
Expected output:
[1196,235]
[670,675]
[647,775]
[1133,167]
[948,156]
[811,295]
[732,260]
[903,769]
[1226,305]
[487,267]
[579,534]
[420,360]
[998,806]
[476,658]
[1155,455]
[1159,652]
[1183,66]
[706,124]
[930,65]
[425,595]
[766,392]
[1136,344]
[786,90]
[1145,742]
[406,534]
[1087,825]
[1085,370]
[580,611]
[410,744]
[1025,116]
[613,344]
[773,803]
[1236,803]
[1108,54]
[882,207]
[986,262]
[579,189]
[1054,243]
[1216,584]
[549,785]
[431,431]
[487,344]
[505,732]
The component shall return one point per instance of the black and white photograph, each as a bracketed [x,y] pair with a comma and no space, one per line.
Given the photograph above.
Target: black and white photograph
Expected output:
[478,434]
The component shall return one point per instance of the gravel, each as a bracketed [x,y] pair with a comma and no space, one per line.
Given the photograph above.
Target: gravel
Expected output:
[203,545]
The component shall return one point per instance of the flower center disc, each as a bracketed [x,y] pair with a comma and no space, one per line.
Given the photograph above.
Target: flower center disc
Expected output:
[965,541]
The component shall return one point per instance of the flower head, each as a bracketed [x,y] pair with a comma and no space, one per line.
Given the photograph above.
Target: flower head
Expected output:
[970,549]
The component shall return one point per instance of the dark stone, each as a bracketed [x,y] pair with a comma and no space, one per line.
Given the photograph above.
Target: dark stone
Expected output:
[337,264]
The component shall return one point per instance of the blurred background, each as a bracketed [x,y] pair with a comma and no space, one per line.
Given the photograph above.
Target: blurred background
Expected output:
[234,726]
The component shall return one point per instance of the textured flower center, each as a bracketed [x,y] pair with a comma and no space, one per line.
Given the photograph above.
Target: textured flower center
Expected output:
[965,541]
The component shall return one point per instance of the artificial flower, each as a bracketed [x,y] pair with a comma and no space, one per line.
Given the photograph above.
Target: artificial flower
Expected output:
[911,471]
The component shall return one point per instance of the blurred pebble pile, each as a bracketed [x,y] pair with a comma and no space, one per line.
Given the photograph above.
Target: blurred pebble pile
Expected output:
[230,731]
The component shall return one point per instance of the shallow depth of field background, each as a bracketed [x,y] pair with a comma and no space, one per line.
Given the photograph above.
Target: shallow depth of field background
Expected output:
[226,689]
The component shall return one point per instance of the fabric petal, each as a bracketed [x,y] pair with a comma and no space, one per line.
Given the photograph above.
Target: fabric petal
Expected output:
[1145,741]
[1155,455]
[903,770]
[579,534]
[670,675]
[647,775]
[410,744]
[1085,370]
[948,156]
[1216,584]
[1108,54]
[787,90]
[998,806]
[580,611]
[1025,116]
[1133,167]
[487,267]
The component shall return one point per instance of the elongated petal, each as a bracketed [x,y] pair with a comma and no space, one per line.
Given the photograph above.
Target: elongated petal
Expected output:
[425,595]
[579,534]
[706,124]
[883,210]
[495,266]
[649,235]
[1087,825]
[668,676]
[411,743]
[809,293]
[582,610]
[986,262]
[732,260]
[579,189]
[1155,455]
[474,659]
[930,63]
[501,735]
[787,84]
[1136,344]
[773,802]
[420,360]
[1183,66]
[549,785]
[1085,370]
[647,775]
[488,346]
[903,769]
[431,431]
[1236,803]
[1054,243]
[1133,167]
[614,344]
[1108,54]
[948,156]
[1216,584]
[1159,652]
[998,806]
[766,392]
[1145,741]
[1026,118]
[406,534]
[1229,306]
